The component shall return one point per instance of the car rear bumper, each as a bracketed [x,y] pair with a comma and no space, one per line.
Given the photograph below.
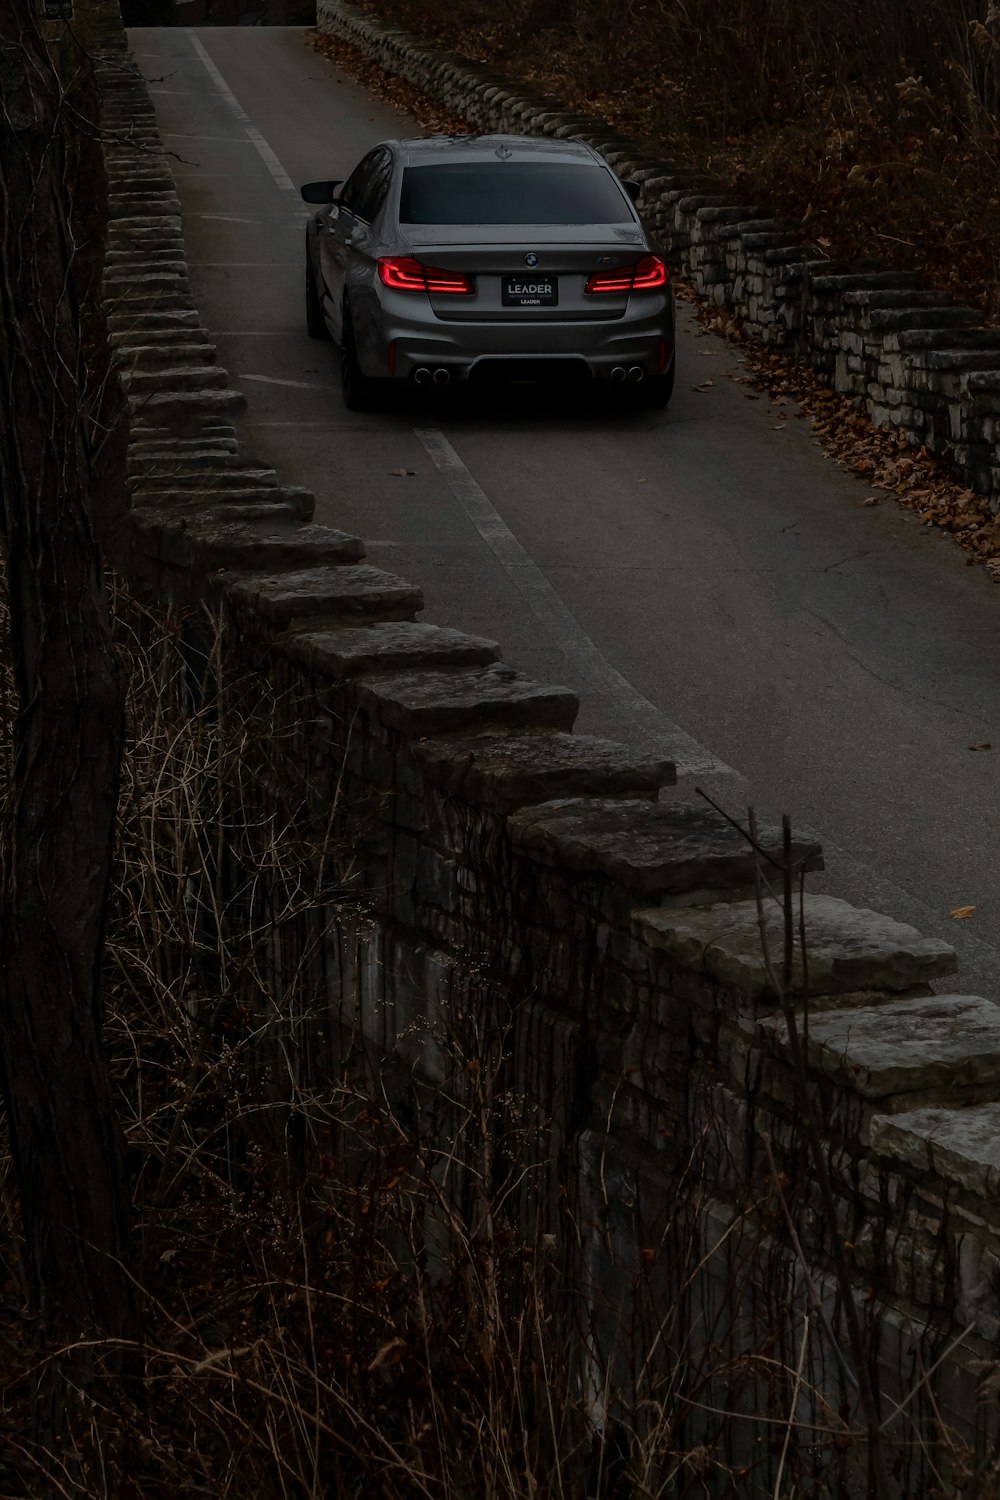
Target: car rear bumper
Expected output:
[401,346]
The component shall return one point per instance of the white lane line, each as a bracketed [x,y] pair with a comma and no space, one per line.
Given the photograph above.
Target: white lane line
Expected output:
[261,146]
[657,731]
[218,140]
[588,663]
[299,385]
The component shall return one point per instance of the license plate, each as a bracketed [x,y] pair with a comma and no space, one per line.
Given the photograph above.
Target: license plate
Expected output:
[529,291]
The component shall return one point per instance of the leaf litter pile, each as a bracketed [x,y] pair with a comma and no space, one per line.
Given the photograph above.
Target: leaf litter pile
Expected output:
[888,464]
[392,90]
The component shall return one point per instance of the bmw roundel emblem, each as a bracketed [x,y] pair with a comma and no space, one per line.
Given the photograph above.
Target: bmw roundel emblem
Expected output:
[531,260]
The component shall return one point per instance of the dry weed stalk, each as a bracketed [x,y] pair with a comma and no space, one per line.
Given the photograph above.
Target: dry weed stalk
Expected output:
[355,1283]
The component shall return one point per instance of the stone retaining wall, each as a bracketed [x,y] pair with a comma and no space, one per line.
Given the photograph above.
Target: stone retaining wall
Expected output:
[920,363]
[603,922]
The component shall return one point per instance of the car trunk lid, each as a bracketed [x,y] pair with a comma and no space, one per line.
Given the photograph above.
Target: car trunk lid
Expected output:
[527,271]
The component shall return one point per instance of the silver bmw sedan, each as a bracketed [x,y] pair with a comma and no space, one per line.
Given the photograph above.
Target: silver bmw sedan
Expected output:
[496,257]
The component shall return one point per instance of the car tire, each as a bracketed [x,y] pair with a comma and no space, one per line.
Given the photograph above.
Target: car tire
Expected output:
[654,394]
[359,389]
[315,321]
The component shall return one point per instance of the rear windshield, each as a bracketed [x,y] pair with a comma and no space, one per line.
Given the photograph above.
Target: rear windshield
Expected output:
[495,192]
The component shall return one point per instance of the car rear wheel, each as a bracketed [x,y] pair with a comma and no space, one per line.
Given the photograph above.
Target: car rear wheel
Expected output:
[315,321]
[359,390]
[655,393]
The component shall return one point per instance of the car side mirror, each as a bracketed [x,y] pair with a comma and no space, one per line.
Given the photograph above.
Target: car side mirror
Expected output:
[632,188]
[320,192]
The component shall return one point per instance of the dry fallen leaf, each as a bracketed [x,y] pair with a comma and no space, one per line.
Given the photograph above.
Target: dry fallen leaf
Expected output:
[871,500]
[981,745]
[401,473]
[705,385]
[963,913]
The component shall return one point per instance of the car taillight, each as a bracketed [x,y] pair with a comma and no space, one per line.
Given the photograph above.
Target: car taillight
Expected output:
[404,274]
[645,276]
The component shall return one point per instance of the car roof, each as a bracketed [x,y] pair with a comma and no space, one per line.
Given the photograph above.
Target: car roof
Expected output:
[423,150]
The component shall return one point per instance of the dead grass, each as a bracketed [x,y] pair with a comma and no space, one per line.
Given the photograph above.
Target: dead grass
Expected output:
[355,1284]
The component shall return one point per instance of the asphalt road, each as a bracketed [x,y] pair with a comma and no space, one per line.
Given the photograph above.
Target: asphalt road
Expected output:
[706,579]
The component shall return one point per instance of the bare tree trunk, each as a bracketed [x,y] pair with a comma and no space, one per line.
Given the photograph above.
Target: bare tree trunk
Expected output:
[59,813]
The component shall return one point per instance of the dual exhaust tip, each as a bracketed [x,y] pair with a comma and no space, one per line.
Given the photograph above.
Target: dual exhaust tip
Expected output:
[424,376]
